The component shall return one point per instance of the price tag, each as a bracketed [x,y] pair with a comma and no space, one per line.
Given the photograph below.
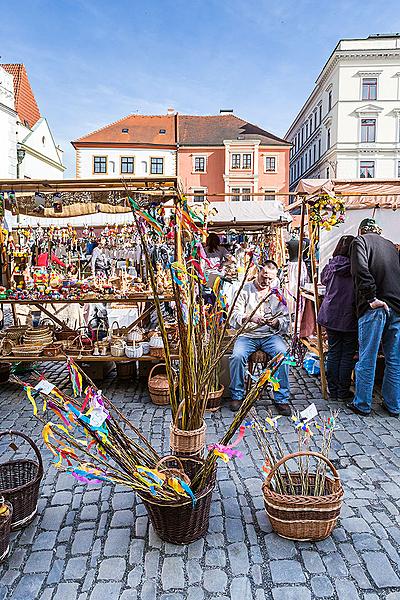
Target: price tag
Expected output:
[309,413]
[44,386]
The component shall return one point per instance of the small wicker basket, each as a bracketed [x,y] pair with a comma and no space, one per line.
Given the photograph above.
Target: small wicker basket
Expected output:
[5,527]
[159,386]
[300,517]
[214,399]
[19,483]
[187,443]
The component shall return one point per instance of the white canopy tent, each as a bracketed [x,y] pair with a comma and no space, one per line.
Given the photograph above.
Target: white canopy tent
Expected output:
[252,214]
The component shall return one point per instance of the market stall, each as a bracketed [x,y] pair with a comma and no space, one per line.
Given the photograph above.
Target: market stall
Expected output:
[328,210]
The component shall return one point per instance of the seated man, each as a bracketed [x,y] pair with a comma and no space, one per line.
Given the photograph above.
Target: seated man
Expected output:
[264,332]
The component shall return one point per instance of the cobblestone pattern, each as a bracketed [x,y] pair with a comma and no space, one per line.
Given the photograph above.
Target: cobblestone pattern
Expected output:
[95,543]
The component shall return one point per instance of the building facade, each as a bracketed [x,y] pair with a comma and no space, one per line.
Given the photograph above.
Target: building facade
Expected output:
[349,127]
[135,146]
[27,146]
[223,157]
[218,157]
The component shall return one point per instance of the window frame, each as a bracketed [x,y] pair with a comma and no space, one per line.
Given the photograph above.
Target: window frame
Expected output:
[235,194]
[153,158]
[363,165]
[101,157]
[366,128]
[199,193]
[128,158]
[275,159]
[245,194]
[269,195]
[236,157]
[245,163]
[198,157]
[369,87]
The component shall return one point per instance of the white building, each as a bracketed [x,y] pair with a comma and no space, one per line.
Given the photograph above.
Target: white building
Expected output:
[349,127]
[135,146]
[8,127]
[27,147]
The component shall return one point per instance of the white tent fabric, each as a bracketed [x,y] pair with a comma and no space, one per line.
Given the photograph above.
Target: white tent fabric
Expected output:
[242,212]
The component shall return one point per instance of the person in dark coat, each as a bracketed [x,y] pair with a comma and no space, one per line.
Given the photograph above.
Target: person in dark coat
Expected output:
[337,315]
[375,266]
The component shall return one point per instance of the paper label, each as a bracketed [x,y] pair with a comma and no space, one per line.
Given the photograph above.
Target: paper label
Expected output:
[44,386]
[309,413]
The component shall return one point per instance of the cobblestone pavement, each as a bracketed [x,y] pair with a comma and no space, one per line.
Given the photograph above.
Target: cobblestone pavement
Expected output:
[94,543]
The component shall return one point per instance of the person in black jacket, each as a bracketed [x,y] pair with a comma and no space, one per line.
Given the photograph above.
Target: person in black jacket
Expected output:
[375,268]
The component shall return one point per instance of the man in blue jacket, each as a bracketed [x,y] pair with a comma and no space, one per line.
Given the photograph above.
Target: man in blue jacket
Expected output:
[375,269]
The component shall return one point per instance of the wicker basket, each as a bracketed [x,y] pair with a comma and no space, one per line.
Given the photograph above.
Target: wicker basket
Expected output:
[159,386]
[19,483]
[300,517]
[5,527]
[117,348]
[76,347]
[54,349]
[30,351]
[157,352]
[187,443]
[214,399]
[125,369]
[180,522]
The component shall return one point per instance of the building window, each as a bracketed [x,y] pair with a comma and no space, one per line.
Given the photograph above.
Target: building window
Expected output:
[327,172]
[328,139]
[320,113]
[235,194]
[398,169]
[270,164]
[315,120]
[269,195]
[156,166]
[307,130]
[319,148]
[199,164]
[199,195]
[127,164]
[100,164]
[329,100]
[314,153]
[368,130]
[246,194]
[246,164]
[367,168]
[235,161]
[369,88]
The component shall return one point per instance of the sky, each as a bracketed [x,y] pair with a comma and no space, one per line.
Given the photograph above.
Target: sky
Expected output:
[93,62]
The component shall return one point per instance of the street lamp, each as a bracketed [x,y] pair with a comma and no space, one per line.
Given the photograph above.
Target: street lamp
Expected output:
[20,157]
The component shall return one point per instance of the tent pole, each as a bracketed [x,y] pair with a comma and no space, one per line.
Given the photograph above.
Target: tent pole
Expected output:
[313,230]
[299,261]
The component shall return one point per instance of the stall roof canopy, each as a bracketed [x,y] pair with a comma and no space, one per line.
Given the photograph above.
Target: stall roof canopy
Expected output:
[356,193]
[80,197]
[251,214]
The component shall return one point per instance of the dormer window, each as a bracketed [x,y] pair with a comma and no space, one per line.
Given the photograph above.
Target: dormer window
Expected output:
[163,131]
[125,130]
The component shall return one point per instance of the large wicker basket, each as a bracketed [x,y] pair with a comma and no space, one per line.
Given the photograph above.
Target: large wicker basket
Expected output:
[186,443]
[180,522]
[19,483]
[299,517]
[159,386]
[5,527]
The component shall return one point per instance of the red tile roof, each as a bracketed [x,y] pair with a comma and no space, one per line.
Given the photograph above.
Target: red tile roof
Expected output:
[25,103]
[213,130]
[141,130]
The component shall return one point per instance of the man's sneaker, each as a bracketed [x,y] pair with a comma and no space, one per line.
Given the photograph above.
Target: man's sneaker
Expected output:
[390,413]
[283,409]
[235,405]
[356,410]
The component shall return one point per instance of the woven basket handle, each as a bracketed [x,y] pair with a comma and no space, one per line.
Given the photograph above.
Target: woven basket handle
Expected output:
[32,444]
[305,453]
[112,327]
[155,367]
[170,457]
[178,413]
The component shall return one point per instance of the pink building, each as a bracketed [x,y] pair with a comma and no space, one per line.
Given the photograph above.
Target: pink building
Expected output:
[223,157]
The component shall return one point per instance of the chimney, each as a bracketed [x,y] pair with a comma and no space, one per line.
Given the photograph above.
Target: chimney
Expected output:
[226,111]
[171,111]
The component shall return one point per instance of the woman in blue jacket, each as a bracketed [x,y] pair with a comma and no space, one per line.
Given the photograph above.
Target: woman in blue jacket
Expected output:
[337,314]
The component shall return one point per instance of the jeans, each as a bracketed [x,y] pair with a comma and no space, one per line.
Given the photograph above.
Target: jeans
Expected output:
[373,327]
[244,346]
[340,361]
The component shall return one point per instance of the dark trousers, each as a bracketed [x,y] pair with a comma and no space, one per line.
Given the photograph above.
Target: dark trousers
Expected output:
[340,362]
